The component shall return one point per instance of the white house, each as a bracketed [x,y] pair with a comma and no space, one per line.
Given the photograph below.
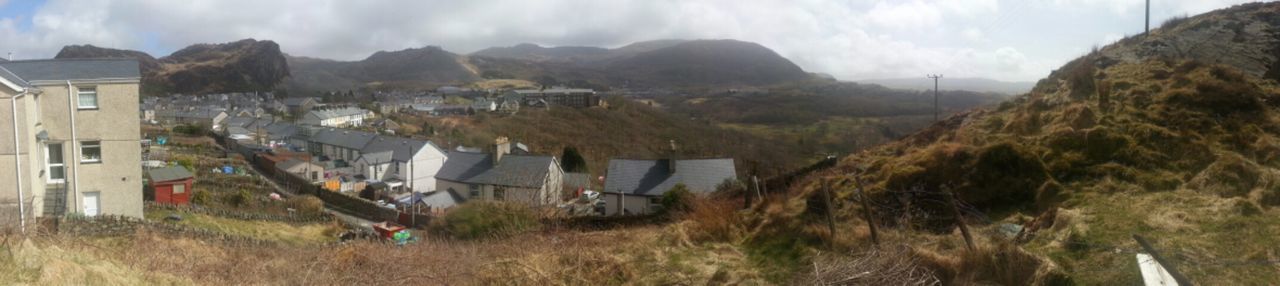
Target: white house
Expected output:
[336,117]
[400,162]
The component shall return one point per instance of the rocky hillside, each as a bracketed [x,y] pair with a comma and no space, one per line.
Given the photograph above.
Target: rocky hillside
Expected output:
[1173,135]
[243,65]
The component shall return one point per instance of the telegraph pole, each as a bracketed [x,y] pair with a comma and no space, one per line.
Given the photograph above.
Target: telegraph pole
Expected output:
[1146,26]
[935,78]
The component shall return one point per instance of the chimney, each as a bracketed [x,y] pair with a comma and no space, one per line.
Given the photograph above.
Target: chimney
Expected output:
[501,146]
[671,158]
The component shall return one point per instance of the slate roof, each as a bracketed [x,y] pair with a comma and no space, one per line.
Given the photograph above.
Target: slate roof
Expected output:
[296,101]
[25,72]
[342,138]
[514,170]
[170,173]
[441,199]
[654,177]
[289,164]
[403,148]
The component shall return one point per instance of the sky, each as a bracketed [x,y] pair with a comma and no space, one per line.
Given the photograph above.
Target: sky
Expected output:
[1010,40]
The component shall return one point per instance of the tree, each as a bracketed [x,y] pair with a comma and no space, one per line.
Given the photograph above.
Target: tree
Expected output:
[678,199]
[572,161]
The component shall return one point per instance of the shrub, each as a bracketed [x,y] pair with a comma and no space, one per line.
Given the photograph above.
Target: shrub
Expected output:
[677,200]
[201,197]
[484,219]
[1004,174]
[307,205]
[240,198]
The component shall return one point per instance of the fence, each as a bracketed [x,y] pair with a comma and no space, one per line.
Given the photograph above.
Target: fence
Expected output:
[780,183]
[112,225]
[346,204]
[297,219]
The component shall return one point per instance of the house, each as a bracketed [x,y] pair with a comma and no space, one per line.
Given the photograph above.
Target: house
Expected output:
[434,203]
[207,116]
[637,185]
[481,104]
[299,105]
[502,176]
[336,117]
[404,163]
[570,97]
[385,124]
[303,169]
[76,147]
[172,185]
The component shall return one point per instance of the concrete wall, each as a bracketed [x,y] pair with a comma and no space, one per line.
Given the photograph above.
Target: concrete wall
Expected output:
[10,155]
[424,167]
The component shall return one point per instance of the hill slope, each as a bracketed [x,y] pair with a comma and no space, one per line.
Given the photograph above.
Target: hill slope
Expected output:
[662,63]
[1149,136]
[409,68]
[244,65]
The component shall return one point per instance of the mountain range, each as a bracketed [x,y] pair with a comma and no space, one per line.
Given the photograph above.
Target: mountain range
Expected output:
[260,65]
[969,84]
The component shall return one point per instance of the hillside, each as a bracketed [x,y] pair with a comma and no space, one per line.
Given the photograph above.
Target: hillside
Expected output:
[969,84]
[663,63]
[243,65]
[410,68]
[624,130]
[1153,136]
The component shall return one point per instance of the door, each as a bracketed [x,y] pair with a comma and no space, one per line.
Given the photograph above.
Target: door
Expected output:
[91,203]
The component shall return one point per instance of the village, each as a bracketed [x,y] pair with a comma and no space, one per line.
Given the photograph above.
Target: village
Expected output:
[354,157]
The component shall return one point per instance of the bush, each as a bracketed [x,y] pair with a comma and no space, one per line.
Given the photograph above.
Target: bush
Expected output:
[239,199]
[191,129]
[677,200]
[307,205]
[201,197]
[484,219]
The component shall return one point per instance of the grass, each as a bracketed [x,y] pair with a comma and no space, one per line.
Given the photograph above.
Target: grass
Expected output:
[265,230]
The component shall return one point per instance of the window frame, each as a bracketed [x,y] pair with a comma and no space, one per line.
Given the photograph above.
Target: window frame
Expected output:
[48,165]
[82,91]
[499,194]
[96,144]
[474,191]
[178,188]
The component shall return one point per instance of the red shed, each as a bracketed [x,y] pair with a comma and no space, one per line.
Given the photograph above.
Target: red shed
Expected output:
[172,184]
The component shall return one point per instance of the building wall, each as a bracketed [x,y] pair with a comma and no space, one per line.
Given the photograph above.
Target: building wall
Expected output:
[424,167]
[486,192]
[634,205]
[119,177]
[9,156]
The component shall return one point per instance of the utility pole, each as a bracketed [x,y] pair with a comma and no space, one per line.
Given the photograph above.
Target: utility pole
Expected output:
[935,78]
[1146,26]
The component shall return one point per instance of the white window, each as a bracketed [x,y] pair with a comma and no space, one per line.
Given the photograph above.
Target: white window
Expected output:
[54,165]
[90,152]
[179,188]
[88,97]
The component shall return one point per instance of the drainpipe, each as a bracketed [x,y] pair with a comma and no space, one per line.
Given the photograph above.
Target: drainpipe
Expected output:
[17,161]
[75,149]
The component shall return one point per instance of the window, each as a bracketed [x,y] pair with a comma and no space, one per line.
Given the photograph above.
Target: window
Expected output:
[655,201]
[475,191]
[499,194]
[88,97]
[90,152]
[54,165]
[179,188]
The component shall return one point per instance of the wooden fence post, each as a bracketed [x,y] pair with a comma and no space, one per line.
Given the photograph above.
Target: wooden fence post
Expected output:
[955,211]
[831,219]
[866,213]
[1168,265]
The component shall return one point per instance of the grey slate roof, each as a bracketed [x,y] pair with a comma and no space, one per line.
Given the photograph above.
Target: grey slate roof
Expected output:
[403,148]
[342,138]
[24,72]
[654,177]
[441,199]
[514,170]
[296,101]
[170,173]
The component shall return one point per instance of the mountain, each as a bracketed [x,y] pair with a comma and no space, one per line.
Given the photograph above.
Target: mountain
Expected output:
[203,68]
[652,63]
[970,84]
[409,68]
[1172,135]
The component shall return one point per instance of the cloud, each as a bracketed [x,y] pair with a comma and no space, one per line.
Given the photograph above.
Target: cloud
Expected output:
[856,39]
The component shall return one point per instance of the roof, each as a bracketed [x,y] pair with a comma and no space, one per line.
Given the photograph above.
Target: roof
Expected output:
[440,199]
[654,177]
[291,163]
[403,148]
[342,138]
[171,173]
[25,72]
[514,170]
